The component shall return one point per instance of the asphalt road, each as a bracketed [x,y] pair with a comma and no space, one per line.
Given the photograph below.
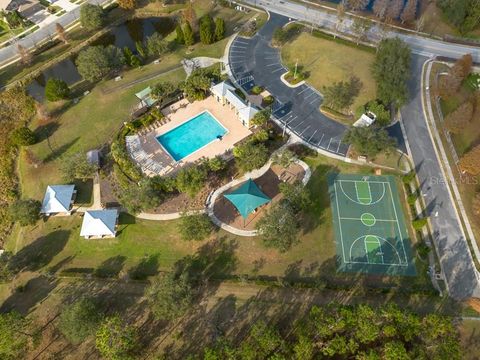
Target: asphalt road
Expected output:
[454,254]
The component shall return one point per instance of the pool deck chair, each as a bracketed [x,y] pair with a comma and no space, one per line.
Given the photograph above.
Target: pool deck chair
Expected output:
[247,198]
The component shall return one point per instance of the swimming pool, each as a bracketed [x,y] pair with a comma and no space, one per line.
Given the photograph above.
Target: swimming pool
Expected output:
[192,135]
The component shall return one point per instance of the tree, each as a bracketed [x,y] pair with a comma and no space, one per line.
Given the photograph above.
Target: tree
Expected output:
[127,4]
[340,17]
[249,156]
[391,70]
[261,118]
[207,30]
[95,62]
[180,36]
[296,195]
[188,34]
[279,227]
[340,95]
[79,320]
[92,16]
[194,226]
[219,29]
[140,49]
[463,14]
[23,136]
[191,180]
[14,340]
[114,339]
[196,86]
[190,17]
[217,164]
[25,55]
[25,212]
[369,141]
[357,4]
[451,83]
[170,296]
[382,114]
[76,166]
[360,28]
[409,11]
[395,9]
[61,33]
[285,158]
[380,8]
[458,119]
[139,197]
[163,90]
[470,162]
[156,45]
[56,89]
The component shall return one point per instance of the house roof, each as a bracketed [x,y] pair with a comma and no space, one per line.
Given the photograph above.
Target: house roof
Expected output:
[247,112]
[58,199]
[247,198]
[221,88]
[99,223]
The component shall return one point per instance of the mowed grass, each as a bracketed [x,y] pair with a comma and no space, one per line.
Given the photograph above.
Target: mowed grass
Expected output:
[314,256]
[328,62]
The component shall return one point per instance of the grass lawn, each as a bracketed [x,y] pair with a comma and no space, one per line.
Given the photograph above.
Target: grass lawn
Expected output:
[470,339]
[328,62]
[91,122]
[312,258]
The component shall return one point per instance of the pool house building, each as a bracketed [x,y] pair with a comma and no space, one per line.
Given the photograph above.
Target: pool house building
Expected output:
[225,94]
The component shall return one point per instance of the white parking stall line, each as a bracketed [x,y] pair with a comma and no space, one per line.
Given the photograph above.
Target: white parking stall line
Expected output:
[237,51]
[338,147]
[304,130]
[328,147]
[241,41]
[274,64]
[300,123]
[301,92]
[314,100]
[306,97]
[318,144]
[274,71]
[310,138]
[271,57]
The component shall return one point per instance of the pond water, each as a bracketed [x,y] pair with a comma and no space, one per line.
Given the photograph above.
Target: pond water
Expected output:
[124,35]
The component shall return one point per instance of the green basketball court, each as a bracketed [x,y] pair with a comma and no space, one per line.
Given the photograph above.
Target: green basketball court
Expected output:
[370,230]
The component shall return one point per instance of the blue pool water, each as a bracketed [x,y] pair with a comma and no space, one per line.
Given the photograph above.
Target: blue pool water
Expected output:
[192,135]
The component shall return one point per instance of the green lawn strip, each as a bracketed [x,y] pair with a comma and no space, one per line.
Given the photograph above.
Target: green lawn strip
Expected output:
[84,126]
[329,61]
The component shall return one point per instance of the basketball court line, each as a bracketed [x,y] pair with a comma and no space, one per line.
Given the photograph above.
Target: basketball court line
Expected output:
[374,241]
[339,221]
[355,201]
[364,195]
[398,224]
[363,262]
[359,219]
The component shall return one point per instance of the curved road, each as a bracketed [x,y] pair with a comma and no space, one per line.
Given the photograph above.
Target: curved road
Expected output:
[254,61]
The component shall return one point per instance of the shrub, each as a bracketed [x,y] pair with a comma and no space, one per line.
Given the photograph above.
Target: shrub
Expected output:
[121,157]
[249,156]
[25,212]
[219,29]
[207,30]
[190,180]
[23,136]
[115,340]
[95,62]
[79,320]
[194,226]
[217,164]
[77,166]
[56,89]
[412,198]
[418,224]
[261,117]
[268,100]
[92,16]
[257,90]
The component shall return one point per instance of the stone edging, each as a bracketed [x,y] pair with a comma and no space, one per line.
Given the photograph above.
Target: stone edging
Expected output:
[290,85]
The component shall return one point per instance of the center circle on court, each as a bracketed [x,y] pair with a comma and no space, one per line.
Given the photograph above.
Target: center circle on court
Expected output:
[368,219]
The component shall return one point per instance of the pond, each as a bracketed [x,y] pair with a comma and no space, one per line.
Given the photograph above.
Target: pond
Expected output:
[124,35]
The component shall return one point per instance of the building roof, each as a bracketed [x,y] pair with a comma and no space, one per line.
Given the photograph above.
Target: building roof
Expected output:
[247,198]
[4,4]
[144,95]
[234,100]
[58,199]
[99,223]
[247,112]
[221,88]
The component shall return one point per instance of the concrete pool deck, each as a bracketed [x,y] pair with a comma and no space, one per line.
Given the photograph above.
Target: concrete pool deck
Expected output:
[182,111]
